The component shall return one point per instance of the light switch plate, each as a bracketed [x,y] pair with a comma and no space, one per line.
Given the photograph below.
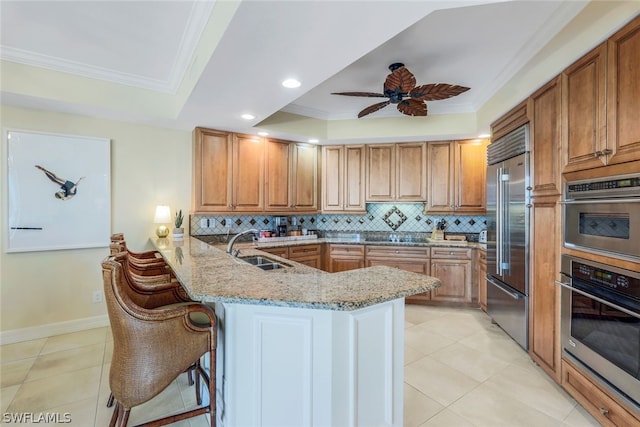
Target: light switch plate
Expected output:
[204,222]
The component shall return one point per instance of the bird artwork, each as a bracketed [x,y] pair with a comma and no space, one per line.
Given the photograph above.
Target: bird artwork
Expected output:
[68,189]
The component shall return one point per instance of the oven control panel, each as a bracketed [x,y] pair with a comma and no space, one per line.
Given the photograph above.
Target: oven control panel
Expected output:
[600,277]
[617,186]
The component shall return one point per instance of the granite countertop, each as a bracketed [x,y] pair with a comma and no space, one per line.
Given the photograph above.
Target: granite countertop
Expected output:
[209,274]
[267,243]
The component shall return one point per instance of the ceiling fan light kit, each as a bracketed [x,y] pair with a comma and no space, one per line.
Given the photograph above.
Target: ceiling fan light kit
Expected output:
[400,87]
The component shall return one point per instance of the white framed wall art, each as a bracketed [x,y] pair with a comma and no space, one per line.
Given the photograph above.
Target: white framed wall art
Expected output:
[57,191]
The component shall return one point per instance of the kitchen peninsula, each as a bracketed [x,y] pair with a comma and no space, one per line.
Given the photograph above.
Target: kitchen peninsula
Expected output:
[299,346]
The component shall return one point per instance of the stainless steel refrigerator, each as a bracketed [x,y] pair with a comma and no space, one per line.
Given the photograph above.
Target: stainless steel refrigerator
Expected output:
[508,233]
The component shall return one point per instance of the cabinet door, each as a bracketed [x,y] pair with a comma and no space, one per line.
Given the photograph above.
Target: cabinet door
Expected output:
[544,298]
[212,169]
[411,172]
[381,172]
[545,105]
[333,178]
[354,181]
[344,257]
[623,94]
[470,176]
[455,278]
[304,174]
[584,111]
[282,251]
[337,264]
[482,279]
[248,173]
[277,176]
[440,177]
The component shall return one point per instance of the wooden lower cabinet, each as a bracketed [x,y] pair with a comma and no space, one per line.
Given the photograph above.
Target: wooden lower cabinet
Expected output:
[310,255]
[281,251]
[481,278]
[414,259]
[453,267]
[595,399]
[344,257]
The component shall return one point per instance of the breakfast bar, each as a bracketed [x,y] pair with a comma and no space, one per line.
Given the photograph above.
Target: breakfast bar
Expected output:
[298,346]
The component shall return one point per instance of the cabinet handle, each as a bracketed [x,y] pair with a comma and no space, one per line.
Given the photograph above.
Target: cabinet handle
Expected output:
[607,151]
[604,411]
[450,253]
[598,153]
[397,252]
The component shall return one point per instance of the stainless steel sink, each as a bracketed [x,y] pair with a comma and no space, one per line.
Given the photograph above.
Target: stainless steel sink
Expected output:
[263,262]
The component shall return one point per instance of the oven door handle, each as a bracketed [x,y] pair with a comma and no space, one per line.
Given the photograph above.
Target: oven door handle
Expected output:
[596,201]
[600,300]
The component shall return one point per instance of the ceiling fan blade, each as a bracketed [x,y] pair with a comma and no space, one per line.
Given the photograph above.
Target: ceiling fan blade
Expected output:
[373,108]
[368,94]
[412,107]
[436,91]
[400,80]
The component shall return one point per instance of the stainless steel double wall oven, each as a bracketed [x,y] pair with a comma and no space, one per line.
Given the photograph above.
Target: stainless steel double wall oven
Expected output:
[600,302]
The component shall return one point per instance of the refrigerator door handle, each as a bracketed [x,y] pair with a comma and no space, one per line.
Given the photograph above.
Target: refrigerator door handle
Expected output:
[501,287]
[499,219]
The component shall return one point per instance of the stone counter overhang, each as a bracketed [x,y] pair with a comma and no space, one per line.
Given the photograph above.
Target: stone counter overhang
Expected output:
[211,275]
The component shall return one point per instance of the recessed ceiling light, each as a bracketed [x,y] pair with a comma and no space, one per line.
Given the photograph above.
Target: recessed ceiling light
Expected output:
[248,116]
[263,133]
[313,140]
[291,83]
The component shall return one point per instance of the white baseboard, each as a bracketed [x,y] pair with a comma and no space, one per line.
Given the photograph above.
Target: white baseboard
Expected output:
[44,331]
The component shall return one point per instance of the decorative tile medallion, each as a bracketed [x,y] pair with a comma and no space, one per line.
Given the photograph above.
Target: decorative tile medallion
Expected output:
[394,218]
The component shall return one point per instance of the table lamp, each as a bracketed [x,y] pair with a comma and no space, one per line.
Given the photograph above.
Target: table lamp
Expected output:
[163,216]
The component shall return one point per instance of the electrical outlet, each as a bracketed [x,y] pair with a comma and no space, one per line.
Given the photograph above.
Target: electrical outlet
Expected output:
[212,222]
[204,222]
[97,296]
[228,223]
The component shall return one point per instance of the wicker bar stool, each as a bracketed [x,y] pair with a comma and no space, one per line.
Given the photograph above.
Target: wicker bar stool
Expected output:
[152,292]
[153,346]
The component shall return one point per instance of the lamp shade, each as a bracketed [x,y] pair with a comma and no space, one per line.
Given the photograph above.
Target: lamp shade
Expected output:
[163,215]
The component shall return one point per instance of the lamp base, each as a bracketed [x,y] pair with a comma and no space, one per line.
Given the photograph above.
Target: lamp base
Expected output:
[162,231]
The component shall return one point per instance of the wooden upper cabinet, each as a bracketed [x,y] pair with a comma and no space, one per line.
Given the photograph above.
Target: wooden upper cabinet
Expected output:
[440,180]
[512,120]
[601,103]
[277,175]
[381,172]
[411,171]
[545,133]
[228,172]
[457,176]
[248,173]
[304,177]
[584,111]
[623,94]
[332,178]
[291,177]
[212,171]
[343,177]
[396,172]
[470,176]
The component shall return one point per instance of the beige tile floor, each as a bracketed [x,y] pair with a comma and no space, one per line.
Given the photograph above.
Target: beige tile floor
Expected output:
[460,371]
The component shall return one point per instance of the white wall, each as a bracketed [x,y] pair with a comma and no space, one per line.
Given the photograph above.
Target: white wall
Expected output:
[47,292]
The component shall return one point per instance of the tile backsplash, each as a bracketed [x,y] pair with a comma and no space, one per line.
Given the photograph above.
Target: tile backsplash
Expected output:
[381,217]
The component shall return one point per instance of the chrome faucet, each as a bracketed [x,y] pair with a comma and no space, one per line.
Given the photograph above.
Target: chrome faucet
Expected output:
[234,238]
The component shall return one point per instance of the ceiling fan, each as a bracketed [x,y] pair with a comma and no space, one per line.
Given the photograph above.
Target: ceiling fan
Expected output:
[400,87]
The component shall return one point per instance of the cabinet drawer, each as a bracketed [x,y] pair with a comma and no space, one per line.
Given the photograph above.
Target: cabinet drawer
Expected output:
[456,253]
[595,400]
[352,250]
[282,251]
[395,251]
[303,251]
